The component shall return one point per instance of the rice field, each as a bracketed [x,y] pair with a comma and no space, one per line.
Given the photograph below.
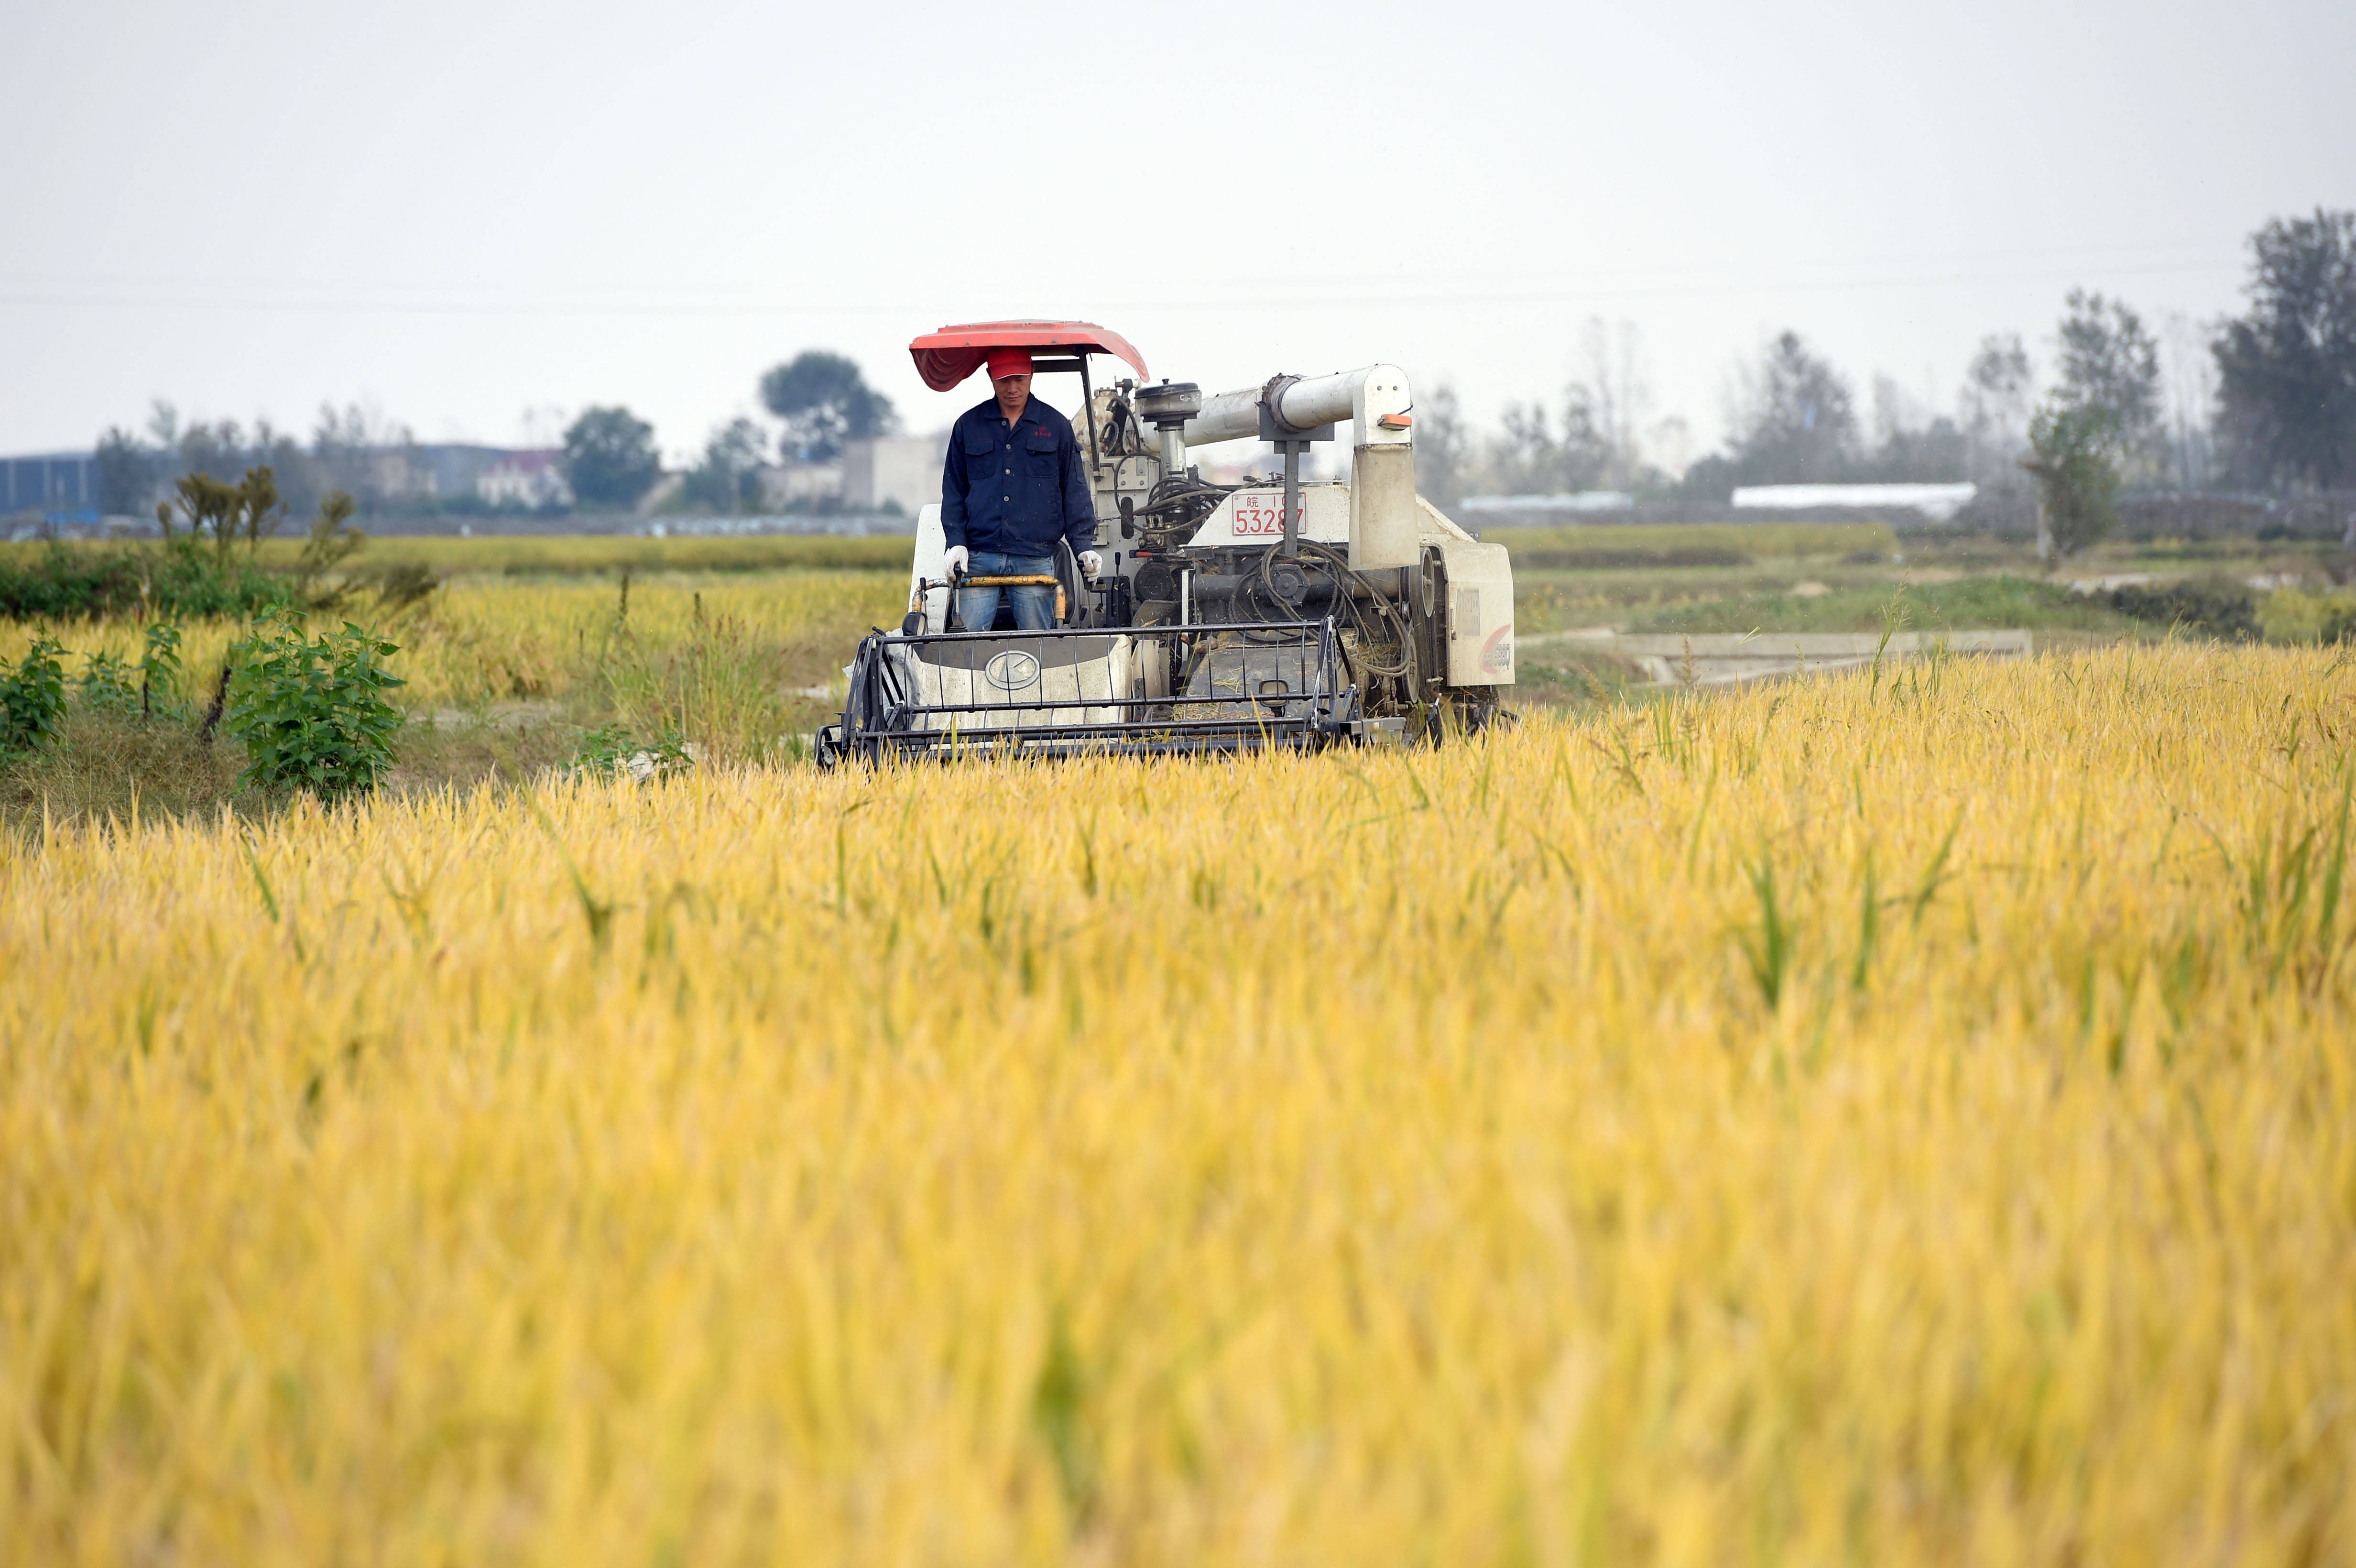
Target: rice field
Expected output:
[1864,1119]
[481,640]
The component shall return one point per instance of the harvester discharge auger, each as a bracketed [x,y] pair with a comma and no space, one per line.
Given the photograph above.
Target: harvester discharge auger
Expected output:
[1271,614]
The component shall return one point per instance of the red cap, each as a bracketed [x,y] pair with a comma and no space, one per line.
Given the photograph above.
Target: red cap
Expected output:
[1009,362]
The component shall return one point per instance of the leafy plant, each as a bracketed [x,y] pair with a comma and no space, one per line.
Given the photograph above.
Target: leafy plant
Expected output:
[161,673]
[331,542]
[106,684]
[2072,455]
[311,714]
[32,699]
[612,750]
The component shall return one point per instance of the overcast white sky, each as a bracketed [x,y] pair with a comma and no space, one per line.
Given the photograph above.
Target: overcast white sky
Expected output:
[463,214]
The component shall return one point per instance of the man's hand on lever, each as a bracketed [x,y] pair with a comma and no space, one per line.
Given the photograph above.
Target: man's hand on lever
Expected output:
[957,558]
[1091,564]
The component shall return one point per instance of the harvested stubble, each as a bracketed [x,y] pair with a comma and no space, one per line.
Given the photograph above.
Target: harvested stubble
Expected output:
[1832,1122]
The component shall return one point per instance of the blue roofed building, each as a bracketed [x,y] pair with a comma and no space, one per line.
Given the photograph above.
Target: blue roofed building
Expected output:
[56,486]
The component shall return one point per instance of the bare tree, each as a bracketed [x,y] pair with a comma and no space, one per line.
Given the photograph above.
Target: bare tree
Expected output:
[1670,444]
[1895,410]
[1611,397]
[1792,415]
[2191,384]
[361,453]
[1994,407]
[1443,451]
[1524,456]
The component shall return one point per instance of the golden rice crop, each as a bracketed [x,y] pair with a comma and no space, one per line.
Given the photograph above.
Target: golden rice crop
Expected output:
[1853,1120]
[484,640]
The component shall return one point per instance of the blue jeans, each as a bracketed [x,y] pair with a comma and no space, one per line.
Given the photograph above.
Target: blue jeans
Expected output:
[1034,608]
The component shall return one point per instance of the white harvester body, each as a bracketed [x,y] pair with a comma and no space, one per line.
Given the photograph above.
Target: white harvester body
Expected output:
[1224,617]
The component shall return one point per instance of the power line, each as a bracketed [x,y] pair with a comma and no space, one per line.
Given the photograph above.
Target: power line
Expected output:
[1324,298]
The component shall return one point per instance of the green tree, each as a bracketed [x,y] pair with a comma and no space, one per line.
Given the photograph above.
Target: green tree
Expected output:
[250,511]
[2110,364]
[726,481]
[2072,455]
[126,473]
[824,402]
[610,458]
[2286,371]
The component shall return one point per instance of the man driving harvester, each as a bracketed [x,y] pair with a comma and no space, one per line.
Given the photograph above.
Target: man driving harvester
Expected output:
[1011,486]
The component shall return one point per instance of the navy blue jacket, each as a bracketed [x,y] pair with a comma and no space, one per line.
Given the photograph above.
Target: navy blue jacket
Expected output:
[1015,492]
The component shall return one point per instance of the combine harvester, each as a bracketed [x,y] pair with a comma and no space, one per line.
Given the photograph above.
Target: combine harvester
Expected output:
[1270,614]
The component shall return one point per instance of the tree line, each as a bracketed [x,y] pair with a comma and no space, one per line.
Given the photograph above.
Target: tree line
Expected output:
[2264,401]
[609,458]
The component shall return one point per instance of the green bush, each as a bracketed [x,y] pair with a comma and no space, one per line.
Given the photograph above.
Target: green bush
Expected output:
[161,673]
[176,578]
[311,714]
[612,751]
[108,684]
[32,699]
[2224,610]
[209,564]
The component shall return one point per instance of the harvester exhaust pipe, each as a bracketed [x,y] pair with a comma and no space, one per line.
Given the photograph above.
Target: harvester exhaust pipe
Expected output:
[1376,401]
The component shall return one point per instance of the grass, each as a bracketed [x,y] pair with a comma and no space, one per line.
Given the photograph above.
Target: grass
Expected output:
[511,672]
[1966,604]
[2302,615]
[124,770]
[1623,547]
[1859,1120]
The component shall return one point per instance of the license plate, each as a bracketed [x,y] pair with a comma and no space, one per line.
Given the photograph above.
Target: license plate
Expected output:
[1262,516]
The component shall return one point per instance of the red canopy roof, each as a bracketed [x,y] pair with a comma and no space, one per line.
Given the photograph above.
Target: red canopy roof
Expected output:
[947,357]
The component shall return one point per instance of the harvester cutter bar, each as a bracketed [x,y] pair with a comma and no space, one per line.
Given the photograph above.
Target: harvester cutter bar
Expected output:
[884,716]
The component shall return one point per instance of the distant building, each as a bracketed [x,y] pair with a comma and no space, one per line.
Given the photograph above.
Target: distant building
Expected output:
[440,473]
[1936,502]
[61,487]
[530,479]
[791,485]
[902,471]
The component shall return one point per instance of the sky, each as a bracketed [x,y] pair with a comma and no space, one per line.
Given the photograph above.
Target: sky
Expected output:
[479,219]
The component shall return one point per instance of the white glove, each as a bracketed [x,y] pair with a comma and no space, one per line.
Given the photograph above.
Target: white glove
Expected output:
[957,557]
[1091,565]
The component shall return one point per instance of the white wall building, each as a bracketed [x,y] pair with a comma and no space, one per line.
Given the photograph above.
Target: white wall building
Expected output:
[808,484]
[903,471]
[530,479]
